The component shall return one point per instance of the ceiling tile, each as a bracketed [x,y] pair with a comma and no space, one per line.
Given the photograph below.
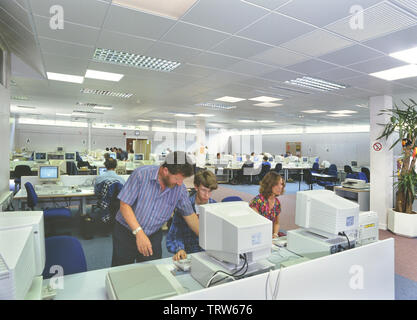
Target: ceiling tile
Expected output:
[269,4]
[214,60]
[307,44]
[397,41]
[281,75]
[17,12]
[279,57]
[172,52]
[377,64]
[61,64]
[76,11]
[193,70]
[136,23]
[239,47]
[123,42]
[325,12]
[251,68]
[353,54]
[338,74]
[374,84]
[65,48]
[261,30]
[221,15]
[193,36]
[71,33]
[311,67]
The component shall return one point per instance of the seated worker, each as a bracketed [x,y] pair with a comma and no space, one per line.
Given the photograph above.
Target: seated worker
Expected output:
[122,155]
[180,238]
[266,202]
[265,161]
[110,174]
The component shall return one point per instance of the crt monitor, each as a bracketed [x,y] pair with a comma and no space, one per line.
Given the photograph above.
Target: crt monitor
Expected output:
[48,173]
[101,170]
[70,156]
[305,159]
[229,229]
[138,157]
[112,155]
[354,163]
[325,213]
[59,149]
[40,156]
[239,159]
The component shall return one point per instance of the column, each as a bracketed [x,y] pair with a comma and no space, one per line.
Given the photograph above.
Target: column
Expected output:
[200,151]
[381,195]
[89,135]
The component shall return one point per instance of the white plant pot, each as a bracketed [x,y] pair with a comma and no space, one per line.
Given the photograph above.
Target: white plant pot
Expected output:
[403,224]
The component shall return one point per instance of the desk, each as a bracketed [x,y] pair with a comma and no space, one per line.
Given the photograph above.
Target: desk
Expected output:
[326,277]
[361,196]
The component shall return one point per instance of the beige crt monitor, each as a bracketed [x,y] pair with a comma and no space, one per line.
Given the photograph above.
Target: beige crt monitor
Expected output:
[48,173]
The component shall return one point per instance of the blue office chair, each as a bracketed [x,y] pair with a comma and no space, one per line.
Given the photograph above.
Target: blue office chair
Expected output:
[367,173]
[331,171]
[278,168]
[232,198]
[72,169]
[51,215]
[358,175]
[19,171]
[316,167]
[66,252]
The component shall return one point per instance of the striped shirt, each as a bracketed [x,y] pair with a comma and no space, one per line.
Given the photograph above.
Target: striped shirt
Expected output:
[152,207]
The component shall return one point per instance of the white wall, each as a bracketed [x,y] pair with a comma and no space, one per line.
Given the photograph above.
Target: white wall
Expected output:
[5,129]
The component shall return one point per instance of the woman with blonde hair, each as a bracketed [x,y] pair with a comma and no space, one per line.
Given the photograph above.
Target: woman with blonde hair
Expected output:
[266,202]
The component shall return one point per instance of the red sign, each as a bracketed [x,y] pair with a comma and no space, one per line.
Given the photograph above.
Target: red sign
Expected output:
[377,146]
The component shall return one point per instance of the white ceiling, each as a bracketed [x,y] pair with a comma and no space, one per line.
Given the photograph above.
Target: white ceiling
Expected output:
[233,48]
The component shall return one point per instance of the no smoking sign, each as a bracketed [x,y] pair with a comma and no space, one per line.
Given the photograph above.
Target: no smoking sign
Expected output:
[377,146]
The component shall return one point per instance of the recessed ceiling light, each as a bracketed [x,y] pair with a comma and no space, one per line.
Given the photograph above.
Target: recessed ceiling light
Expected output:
[265,99]
[20,98]
[229,99]
[143,120]
[265,121]
[313,111]
[316,84]
[344,111]
[217,106]
[184,115]
[163,121]
[246,121]
[100,75]
[134,60]
[174,9]
[103,108]
[403,72]
[64,77]
[268,104]
[107,93]
[26,107]
[337,115]
[409,55]
[204,115]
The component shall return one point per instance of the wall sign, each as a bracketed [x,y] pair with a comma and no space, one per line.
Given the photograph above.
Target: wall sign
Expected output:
[377,146]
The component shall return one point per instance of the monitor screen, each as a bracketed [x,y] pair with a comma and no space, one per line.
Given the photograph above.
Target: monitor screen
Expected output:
[239,159]
[138,156]
[54,156]
[49,172]
[60,149]
[101,170]
[305,159]
[112,155]
[255,158]
[354,163]
[70,156]
[40,156]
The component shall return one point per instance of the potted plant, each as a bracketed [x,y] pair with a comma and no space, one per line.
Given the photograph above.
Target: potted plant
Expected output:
[402,219]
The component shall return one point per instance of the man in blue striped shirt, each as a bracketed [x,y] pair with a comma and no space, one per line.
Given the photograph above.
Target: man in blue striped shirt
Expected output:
[147,201]
[180,238]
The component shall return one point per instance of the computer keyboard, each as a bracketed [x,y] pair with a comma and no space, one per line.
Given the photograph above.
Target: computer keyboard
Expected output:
[184,264]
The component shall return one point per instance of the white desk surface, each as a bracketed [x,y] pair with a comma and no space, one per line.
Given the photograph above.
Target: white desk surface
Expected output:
[66,192]
[90,285]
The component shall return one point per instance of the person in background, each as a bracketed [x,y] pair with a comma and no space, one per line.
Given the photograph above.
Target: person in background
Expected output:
[122,154]
[147,201]
[266,202]
[110,174]
[181,239]
[265,161]
[107,149]
[218,156]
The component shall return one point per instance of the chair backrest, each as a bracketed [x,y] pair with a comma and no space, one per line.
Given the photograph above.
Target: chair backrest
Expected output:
[316,166]
[115,189]
[332,170]
[265,169]
[232,198]
[308,178]
[66,252]
[348,169]
[278,167]
[362,176]
[22,170]
[32,197]
[72,168]
[367,173]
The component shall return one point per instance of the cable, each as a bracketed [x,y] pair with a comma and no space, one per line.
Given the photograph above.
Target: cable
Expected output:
[233,275]
[275,295]
[344,234]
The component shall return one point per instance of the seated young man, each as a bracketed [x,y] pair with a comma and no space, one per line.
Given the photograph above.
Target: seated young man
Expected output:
[110,174]
[180,238]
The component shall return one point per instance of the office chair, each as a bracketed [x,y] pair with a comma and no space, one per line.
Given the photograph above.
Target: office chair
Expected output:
[348,169]
[72,169]
[331,171]
[19,171]
[66,252]
[367,173]
[232,198]
[51,215]
[357,175]
[265,168]
[278,168]
[308,178]
[316,167]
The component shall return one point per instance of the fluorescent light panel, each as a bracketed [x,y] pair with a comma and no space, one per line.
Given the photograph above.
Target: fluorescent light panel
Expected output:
[246,121]
[229,99]
[100,75]
[215,106]
[313,111]
[64,77]
[409,55]
[403,72]
[143,120]
[204,115]
[268,104]
[344,111]
[173,9]
[265,99]
[103,108]
[64,114]
[316,84]
[338,115]
[106,93]
[134,60]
